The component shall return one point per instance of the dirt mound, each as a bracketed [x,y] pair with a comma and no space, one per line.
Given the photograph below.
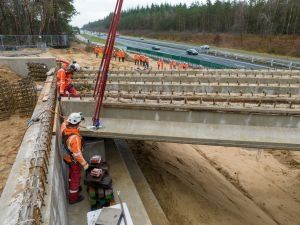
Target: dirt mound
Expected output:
[7,74]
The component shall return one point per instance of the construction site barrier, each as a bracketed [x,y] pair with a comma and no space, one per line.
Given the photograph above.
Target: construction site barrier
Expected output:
[15,42]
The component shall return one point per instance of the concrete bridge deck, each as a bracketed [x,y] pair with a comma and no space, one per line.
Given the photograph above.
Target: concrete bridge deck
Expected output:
[187,125]
[246,108]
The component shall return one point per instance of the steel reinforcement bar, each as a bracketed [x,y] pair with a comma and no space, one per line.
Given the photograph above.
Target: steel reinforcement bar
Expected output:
[35,187]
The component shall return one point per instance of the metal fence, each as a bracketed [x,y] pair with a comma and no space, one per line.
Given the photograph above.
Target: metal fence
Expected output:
[15,42]
[167,57]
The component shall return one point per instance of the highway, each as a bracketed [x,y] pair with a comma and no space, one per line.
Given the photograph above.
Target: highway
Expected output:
[180,50]
[177,49]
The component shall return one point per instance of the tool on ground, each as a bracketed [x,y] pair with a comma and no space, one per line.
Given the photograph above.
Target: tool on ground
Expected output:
[122,207]
[105,62]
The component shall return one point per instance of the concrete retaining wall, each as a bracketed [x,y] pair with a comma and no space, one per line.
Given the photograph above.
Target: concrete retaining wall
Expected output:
[55,212]
[19,64]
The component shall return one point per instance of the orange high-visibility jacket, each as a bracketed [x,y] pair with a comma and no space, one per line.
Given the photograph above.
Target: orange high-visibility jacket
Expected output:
[64,79]
[136,57]
[180,66]
[122,54]
[74,145]
[96,50]
[142,58]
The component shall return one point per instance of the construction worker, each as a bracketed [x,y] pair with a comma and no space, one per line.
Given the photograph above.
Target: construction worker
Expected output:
[142,60]
[147,62]
[171,64]
[136,59]
[160,64]
[100,52]
[73,147]
[96,51]
[122,56]
[180,66]
[174,64]
[115,54]
[186,66]
[64,79]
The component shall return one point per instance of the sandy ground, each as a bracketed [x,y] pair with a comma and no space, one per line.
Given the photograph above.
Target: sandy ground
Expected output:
[216,185]
[11,134]
[88,59]
[7,74]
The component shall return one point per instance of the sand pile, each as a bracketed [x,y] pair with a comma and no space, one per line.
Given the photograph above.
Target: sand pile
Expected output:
[217,185]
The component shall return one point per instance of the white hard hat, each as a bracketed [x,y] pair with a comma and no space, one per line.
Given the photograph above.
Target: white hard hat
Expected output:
[75,118]
[74,67]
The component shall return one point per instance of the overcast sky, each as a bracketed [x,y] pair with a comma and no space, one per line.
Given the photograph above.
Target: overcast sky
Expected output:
[91,10]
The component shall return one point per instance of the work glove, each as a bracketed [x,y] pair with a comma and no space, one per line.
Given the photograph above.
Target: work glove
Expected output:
[86,167]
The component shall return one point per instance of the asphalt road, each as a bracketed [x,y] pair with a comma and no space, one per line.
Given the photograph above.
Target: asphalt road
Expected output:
[180,50]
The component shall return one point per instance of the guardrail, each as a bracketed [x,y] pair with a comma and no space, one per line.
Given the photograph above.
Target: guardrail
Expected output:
[168,57]
[253,59]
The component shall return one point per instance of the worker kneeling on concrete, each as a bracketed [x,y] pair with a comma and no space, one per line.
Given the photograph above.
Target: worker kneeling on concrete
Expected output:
[64,79]
[73,147]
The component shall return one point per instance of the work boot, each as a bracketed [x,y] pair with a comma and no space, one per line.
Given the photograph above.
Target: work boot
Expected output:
[79,199]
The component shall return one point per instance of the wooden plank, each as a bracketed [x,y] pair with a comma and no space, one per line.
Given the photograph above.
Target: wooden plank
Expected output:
[47,88]
[55,119]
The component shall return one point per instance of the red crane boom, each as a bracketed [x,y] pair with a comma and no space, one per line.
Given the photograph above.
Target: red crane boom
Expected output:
[105,62]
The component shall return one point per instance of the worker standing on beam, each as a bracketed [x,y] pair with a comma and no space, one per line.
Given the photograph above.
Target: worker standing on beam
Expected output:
[64,79]
[73,147]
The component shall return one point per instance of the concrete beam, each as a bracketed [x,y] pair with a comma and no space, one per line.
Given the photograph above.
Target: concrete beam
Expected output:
[192,126]
[195,79]
[211,72]
[203,88]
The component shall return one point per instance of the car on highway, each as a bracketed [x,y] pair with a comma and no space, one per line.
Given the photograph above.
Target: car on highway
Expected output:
[156,48]
[192,51]
[204,47]
[141,38]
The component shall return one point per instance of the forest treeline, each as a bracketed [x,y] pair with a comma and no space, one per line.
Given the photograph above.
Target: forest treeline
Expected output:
[267,17]
[36,17]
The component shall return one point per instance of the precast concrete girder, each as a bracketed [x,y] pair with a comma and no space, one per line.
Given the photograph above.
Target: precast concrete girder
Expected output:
[190,125]
[196,79]
[204,88]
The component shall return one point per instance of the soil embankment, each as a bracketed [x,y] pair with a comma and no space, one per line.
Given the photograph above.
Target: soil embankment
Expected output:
[218,185]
